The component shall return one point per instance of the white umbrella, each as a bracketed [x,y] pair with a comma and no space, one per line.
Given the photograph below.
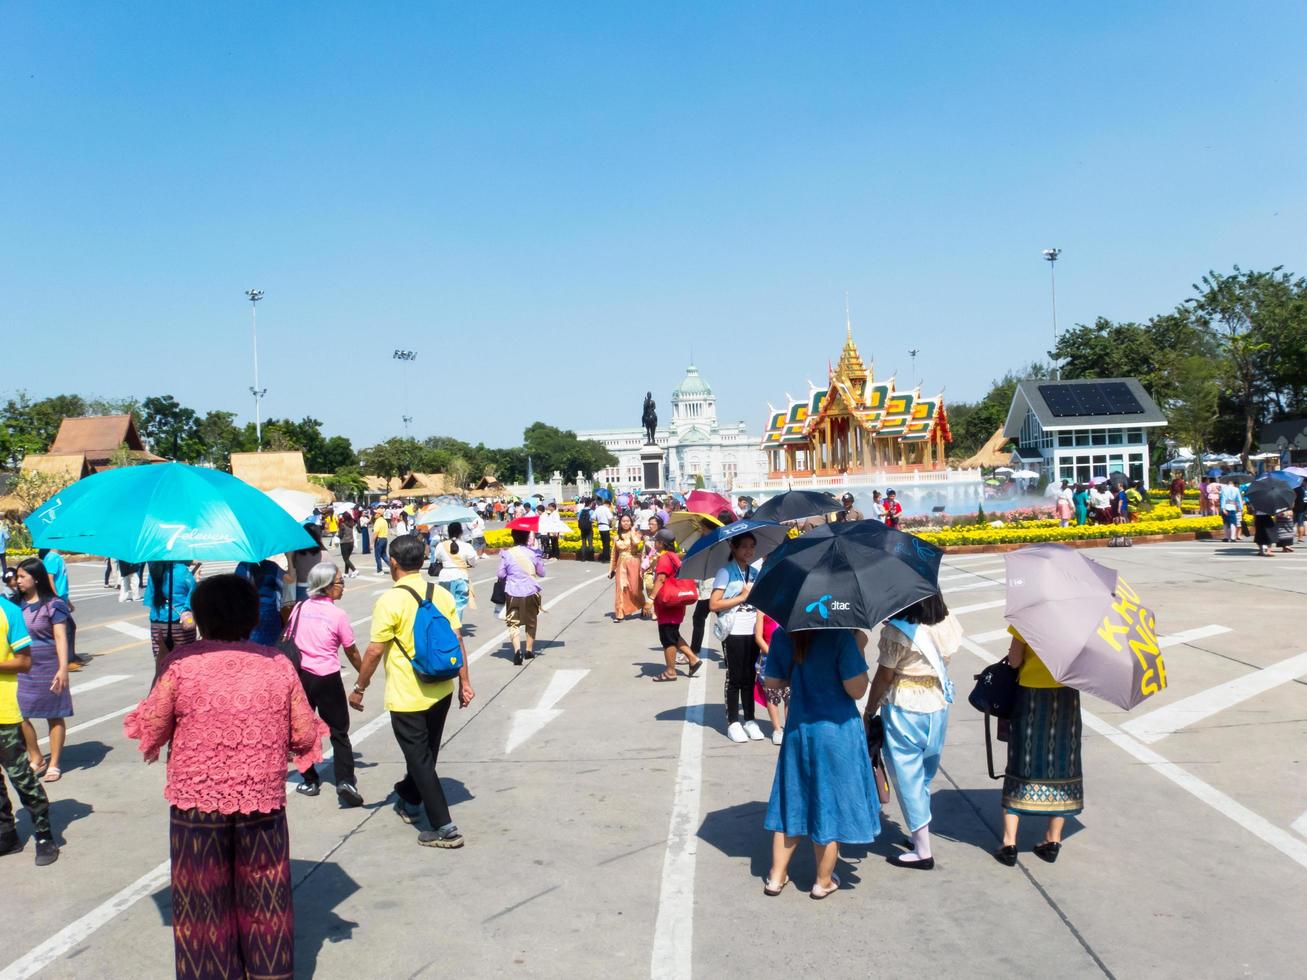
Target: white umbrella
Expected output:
[296,503]
[1025,475]
[340,506]
[1004,469]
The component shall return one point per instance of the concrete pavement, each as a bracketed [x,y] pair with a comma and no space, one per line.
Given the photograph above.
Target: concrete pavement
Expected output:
[613,830]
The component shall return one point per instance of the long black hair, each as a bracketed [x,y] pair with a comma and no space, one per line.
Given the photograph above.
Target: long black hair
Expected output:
[159,571]
[40,577]
[455,531]
[927,611]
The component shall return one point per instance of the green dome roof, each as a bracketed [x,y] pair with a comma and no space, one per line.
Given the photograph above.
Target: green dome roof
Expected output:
[692,386]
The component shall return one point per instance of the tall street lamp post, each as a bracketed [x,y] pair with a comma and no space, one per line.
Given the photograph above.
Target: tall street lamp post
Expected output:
[405,355]
[254,296]
[1051,254]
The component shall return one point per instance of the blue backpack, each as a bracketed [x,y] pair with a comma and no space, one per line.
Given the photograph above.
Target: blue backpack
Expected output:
[437,653]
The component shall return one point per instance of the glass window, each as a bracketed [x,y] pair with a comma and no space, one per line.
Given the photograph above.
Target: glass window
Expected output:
[1136,470]
[1099,437]
[1083,471]
[1099,464]
[1066,468]
[1065,439]
[1082,437]
[1115,437]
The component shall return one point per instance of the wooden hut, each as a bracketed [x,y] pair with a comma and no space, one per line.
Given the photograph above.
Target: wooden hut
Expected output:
[273,471]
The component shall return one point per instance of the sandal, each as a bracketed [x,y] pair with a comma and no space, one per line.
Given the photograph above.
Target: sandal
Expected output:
[834,887]
[39,771]
[694,668]
[773,890]
[52,774]
[664,679]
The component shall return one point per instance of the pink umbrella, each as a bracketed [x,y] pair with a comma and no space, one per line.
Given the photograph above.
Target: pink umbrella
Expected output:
[707,502]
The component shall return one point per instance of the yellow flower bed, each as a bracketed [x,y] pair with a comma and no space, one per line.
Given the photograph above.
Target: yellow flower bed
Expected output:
[569,542]
[1026,535]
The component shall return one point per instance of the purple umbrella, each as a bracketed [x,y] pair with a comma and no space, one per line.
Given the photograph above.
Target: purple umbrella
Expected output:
[1087,624]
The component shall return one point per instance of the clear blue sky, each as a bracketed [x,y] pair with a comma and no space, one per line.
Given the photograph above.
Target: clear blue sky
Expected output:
[553,202]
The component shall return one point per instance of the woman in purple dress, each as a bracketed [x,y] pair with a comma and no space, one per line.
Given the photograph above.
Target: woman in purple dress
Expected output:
[43,691]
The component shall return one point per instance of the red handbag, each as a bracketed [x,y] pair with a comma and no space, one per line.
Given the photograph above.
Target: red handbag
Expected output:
[678,591]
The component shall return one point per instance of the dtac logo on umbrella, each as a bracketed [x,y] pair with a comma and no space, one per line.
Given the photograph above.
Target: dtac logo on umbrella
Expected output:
[819,606]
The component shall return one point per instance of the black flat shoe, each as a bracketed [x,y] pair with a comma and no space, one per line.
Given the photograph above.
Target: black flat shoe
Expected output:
[309,789]
[925,864]
[1006,855]
[517,660]
[1048,850]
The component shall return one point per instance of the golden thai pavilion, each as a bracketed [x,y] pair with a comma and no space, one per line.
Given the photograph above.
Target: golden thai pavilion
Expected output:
[856,425]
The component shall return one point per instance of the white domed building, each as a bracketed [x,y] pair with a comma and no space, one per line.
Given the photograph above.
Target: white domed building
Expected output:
[698,446]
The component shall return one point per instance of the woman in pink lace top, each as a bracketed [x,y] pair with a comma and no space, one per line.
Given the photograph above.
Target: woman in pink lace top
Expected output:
[234,713]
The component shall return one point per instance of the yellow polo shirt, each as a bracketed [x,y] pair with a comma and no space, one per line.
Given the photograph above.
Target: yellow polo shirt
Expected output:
[13,638]
[380,528]
[1033,671]
[392,618]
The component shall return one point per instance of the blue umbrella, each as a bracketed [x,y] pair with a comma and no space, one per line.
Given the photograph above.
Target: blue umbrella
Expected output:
[712,551]
[166,512]
[603,493]
[1292,479]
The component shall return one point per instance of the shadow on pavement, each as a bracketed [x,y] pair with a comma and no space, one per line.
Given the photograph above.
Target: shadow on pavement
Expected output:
[315,920]
[975,817]
[714,714]
[84,755]
[64,812]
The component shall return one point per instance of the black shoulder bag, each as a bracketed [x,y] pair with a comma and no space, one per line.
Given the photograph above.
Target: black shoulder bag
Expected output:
[995,694]
[287,644]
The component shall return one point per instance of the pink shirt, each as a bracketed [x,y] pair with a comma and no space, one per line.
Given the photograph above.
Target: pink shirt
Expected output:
[321,629]
[233,713]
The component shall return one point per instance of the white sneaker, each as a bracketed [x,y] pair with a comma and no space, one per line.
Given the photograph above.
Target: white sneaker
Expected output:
[777,736]
[735,732]
[753,731]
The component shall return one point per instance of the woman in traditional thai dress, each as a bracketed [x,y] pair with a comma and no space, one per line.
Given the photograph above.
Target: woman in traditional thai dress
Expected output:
[1044,775]
[624,570]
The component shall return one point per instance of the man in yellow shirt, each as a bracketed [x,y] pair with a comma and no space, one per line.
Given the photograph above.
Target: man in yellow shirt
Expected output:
[15,659]
[417,710]
[380,532]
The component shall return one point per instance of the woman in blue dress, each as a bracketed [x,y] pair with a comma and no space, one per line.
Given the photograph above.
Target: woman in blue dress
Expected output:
[268,578]
[824,788]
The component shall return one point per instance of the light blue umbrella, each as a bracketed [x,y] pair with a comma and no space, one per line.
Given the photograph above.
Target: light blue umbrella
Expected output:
[446,514]
[1293,479]
[166,512]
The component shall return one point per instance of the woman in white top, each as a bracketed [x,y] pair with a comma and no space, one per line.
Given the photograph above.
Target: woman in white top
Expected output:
[912,682]
[456,557]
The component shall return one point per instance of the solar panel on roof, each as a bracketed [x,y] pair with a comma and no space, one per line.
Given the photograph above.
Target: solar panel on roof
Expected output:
[1093,398]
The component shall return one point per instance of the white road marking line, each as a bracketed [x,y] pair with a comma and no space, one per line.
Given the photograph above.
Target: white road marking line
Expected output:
[1300,825]
[978,606]
[1255,824]
[129,629]
[74,729]
[1175,639]
[1170,718]
[75,932]
[1188,636]
[532,720]
[98,682]
[673,943]
[496,641]
[970,573]
[952,559]
[972,586]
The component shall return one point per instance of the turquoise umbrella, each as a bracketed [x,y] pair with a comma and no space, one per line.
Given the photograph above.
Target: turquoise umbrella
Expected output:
[166,512]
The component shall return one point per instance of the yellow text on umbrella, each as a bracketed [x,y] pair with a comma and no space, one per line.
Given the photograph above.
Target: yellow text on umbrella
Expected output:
[1130,621]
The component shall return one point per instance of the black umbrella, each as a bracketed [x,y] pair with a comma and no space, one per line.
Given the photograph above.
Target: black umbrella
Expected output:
[796,505]
[1118,479]
[1267,496]
[845,576]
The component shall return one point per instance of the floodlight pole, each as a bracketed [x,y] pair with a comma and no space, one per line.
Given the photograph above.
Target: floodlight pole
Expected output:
[913,354]
[1051,255]
[405,355]
[254,296]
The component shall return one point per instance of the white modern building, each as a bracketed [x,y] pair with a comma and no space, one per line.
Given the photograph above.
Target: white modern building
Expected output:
[723,455]
[1084,429]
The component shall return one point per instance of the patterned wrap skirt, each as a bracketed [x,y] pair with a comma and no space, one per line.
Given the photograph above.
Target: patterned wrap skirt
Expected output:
[232,912]
[1044,775]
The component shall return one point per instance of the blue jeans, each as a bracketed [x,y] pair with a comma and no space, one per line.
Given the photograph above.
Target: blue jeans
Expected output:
[381,555]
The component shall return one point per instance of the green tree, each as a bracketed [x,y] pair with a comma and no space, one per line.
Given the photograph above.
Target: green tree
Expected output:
[30,426]
[168,427]
[1250,316]
[219,436]
[975,423]
[395,457]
